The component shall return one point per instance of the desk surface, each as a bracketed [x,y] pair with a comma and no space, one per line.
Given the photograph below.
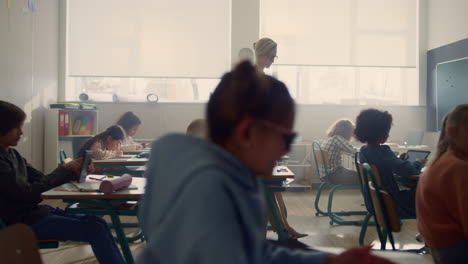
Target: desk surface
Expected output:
[136,151]
[65,191]
[280,173]
[396,256]
[126,160]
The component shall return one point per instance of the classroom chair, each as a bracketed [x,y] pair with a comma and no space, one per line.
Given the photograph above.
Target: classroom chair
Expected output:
[322,167]
[384,210]
[366,196]
[18,245]
[42,244]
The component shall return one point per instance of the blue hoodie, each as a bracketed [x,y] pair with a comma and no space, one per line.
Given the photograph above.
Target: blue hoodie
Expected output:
[202,205]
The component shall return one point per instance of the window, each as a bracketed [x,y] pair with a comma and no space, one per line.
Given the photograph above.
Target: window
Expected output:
[131,48]
[345,51]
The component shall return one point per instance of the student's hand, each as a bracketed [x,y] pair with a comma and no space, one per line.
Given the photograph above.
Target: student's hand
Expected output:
[403,156]
[423,161]
[139,146]
[119,153]
[90,168]
[74,165]
[360,255]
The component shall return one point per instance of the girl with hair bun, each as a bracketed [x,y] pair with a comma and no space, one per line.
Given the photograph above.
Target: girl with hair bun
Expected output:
[265,53]
[203,203]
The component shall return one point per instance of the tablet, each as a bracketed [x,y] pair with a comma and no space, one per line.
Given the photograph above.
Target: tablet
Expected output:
[84,166]
[413,155]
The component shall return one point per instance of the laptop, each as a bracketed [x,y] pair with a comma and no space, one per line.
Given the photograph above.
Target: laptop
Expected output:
[82,184]
[413,155]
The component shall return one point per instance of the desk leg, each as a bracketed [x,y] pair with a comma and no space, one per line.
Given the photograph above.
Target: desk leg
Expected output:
[111,211]
[274,210]
[122,239]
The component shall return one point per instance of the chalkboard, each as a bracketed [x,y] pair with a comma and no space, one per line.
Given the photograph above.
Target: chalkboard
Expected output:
[452,86]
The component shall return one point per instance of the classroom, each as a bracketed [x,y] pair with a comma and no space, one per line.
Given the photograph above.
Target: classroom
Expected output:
[107,81]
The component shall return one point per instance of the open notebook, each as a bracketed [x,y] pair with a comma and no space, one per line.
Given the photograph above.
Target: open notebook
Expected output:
[90,182]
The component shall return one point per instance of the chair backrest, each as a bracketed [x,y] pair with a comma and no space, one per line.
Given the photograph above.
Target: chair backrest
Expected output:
[321,160]
[381,201]
[385,210]
[18,245]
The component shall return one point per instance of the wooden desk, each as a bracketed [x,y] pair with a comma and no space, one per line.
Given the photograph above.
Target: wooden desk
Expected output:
[136,151]
[119,166]
[104,202]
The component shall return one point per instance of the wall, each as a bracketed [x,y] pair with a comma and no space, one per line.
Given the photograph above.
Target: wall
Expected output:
[28,68]
[447,40]
[245,25]
[447,22]
[311,120]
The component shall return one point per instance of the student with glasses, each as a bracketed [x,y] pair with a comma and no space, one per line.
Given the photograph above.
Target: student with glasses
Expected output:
[203,203]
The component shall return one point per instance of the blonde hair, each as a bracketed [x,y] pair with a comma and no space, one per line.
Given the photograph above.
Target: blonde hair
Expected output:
[342,127]
[264,46]
[455,119]
[197,128]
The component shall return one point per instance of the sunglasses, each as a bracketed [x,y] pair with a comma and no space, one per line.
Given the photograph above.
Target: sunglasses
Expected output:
[287,135]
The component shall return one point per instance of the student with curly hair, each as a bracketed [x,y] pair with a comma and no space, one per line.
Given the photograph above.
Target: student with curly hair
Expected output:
[373,128]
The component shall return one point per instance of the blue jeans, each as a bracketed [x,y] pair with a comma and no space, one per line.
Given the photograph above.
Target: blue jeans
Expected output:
[85,228]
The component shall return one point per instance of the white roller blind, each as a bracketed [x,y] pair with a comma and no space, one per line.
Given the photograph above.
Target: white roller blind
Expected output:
[150,38]
[342,32]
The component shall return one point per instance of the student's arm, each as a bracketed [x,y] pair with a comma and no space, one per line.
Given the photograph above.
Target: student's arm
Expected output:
[205,224]
[29,187]
[100,153]
[458,182]
[401,167]
[273,254]
[345,146]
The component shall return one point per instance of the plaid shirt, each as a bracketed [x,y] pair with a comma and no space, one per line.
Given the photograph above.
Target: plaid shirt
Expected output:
[334,147]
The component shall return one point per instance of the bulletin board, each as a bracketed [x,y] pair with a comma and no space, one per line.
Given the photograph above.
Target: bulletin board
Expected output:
[452,86]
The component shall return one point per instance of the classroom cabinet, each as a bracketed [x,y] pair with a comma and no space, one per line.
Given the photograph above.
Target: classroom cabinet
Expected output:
[67,129]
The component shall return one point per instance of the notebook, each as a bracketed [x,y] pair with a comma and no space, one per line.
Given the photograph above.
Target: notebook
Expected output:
[82,184]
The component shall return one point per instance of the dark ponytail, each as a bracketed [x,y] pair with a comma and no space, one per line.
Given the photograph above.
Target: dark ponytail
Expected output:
[246,92]
[128,120]
[115,132]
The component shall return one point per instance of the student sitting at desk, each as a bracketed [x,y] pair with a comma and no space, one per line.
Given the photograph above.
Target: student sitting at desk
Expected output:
[373,128]
[335,145]
[441,198]
[130,124]
[105,145]
[203,203]
[21,188]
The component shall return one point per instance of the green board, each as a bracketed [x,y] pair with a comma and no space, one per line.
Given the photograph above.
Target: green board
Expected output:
[452,86]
